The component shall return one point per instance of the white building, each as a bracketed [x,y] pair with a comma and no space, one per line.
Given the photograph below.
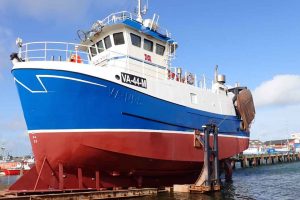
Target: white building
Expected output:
[296,137]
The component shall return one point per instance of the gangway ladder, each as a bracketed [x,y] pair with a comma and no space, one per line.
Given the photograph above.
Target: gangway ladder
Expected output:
[209,179]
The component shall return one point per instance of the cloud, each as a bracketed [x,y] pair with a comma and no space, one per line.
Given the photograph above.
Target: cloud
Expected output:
[276,122]
[282,90]
[278,104]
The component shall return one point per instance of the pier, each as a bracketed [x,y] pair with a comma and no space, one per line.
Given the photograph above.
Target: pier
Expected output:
[264,159]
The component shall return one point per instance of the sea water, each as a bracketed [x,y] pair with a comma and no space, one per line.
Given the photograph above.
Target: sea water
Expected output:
[6,181]
[269,182]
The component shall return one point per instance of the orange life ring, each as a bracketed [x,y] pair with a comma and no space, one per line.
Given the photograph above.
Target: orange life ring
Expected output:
[75,58]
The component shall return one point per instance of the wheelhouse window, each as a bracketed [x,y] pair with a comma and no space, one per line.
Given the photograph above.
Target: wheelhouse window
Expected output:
[148,45]
[118,38]
[107,42]
[100,46]
[93,51]
[160,49]
[135,40]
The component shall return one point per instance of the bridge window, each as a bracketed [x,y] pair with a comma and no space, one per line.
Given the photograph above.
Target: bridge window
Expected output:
[93,51]
[118,38]
[160,49]
[148,45]
[107,42]
[100,46]
[135,40]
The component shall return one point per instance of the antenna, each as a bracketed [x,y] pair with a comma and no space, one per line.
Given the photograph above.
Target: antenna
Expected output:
[141,12]
[216,74]
[145,9]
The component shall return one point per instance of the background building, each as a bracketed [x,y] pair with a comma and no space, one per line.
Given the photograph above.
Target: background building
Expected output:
[273,146]
[255,147]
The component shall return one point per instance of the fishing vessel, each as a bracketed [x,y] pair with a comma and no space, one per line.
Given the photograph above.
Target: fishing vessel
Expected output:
[20,168]
[113,111]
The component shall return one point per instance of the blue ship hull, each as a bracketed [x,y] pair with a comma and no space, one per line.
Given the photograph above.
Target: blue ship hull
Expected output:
[55,100]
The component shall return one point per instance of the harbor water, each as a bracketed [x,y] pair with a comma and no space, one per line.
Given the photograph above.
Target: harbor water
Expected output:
[280,181]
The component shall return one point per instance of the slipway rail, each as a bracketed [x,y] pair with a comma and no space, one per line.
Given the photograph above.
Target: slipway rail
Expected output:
[80,195]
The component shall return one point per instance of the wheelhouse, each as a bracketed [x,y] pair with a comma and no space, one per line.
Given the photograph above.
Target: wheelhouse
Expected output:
[127,40]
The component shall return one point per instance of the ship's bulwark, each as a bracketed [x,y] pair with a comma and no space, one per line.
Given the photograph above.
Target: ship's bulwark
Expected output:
[96,125]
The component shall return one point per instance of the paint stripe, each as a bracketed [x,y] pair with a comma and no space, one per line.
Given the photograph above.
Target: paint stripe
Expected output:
[69,78]
[53,76]
[125,131]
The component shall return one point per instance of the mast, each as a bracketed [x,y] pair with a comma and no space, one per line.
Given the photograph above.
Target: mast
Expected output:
[139,12]
[216,74]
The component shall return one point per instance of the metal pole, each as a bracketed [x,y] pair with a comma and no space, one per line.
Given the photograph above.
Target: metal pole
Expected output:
[207,156]
[216,154]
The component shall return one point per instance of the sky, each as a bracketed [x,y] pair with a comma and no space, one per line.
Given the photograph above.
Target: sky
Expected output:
[254,42]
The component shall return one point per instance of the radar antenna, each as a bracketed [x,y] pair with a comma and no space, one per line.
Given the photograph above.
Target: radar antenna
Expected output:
[82,35]
[96,28]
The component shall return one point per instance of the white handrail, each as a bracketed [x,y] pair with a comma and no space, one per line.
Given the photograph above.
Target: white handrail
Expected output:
[114,17]
[62,51]
[42,51]
[120,16]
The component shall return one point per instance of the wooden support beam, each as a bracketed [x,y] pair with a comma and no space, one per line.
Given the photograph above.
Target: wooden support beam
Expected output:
[60,176]
[97,180]
[79,175]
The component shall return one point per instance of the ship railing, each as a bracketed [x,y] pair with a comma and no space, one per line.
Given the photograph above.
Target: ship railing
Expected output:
[115,17]
[185,77]
[164,31]
[121,16]
[54,51]
[81,54]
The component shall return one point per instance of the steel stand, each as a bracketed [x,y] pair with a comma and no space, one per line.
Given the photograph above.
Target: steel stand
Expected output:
[209,178]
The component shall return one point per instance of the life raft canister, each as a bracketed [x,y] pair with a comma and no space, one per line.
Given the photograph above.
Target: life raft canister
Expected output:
[75,58]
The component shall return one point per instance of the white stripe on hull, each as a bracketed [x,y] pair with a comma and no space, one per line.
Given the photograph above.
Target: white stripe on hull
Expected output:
[124,130]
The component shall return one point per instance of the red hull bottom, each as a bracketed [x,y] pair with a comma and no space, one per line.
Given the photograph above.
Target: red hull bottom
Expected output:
[117,159]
